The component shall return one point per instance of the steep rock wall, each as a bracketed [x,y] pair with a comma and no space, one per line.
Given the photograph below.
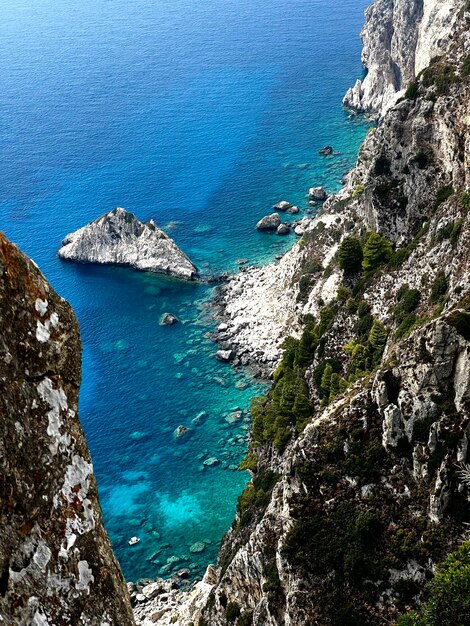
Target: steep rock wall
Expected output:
[57,567]
[400,37]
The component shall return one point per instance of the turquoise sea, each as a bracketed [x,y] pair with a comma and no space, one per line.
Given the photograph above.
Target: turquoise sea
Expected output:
[201,116]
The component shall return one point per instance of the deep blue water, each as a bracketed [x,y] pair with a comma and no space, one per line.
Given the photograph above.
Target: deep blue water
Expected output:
[200,115]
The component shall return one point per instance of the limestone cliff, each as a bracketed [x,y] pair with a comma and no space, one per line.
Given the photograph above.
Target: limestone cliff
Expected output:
[400,37]
[56,563]
[358,450]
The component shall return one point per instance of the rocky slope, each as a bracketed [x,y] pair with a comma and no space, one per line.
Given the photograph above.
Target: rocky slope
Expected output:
[118,238]
[400,37]
[56,563]
[357,452]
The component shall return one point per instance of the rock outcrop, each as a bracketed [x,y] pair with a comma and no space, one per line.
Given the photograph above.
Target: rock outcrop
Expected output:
[400,38]
[269,222]
[56,563]
[357,451]
[119,238]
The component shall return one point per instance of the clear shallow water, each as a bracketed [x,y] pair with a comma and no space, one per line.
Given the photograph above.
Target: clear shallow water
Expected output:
[201,116]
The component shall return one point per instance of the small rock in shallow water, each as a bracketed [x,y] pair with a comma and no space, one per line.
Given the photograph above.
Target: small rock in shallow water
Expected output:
[180,431]
[317,194]
[327,150]
[210,462]
[197,547]
[200,417]
[224,355]
[233,417]
[168,319]
[282,206]
[283,229]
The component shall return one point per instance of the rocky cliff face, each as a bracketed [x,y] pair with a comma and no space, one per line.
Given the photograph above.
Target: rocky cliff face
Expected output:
[357,451]
[400,38]
[119,238]
[56,563]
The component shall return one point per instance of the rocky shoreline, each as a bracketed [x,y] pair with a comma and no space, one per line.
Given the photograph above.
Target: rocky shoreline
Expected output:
[175,600]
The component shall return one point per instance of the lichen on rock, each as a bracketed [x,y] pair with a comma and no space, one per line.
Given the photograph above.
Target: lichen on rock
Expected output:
[56,562]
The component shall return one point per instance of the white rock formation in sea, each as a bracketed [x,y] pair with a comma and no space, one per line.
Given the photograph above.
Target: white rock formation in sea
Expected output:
[119,238]
[400,37]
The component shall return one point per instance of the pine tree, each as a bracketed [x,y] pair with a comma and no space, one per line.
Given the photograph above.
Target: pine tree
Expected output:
[306,348]
[302,406]
[326,381]
[287,400]
[350,255]
[378,335]
[377,340]
[377,251]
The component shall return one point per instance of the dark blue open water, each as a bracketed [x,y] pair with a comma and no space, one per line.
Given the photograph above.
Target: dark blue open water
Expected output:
[198,114]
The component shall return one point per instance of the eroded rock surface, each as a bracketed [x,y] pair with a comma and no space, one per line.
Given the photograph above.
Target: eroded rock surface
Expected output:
[119,238]
[56,563]
[400,37]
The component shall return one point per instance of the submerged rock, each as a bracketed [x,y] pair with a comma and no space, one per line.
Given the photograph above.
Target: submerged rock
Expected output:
[180,431]
[269,222]
[211,461]
[119,238]
[327,150]
[168,319]
[197,547]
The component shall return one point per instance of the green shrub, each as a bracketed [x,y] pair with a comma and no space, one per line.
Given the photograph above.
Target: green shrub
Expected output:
[456,230]
[443,194]
[250,462]
[445,232]
[343,294]
[377,340]
[363,308]
[408,300]
[304,287]
[377,252]
[358,191]
[406,325]
[350,255]
[439,287]
[412,91]
[232,612]
[352,306]
[465,200]
[441,76]
[448,594]
[461,322]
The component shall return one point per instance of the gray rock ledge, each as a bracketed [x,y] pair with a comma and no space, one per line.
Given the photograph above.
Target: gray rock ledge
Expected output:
[119,238]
